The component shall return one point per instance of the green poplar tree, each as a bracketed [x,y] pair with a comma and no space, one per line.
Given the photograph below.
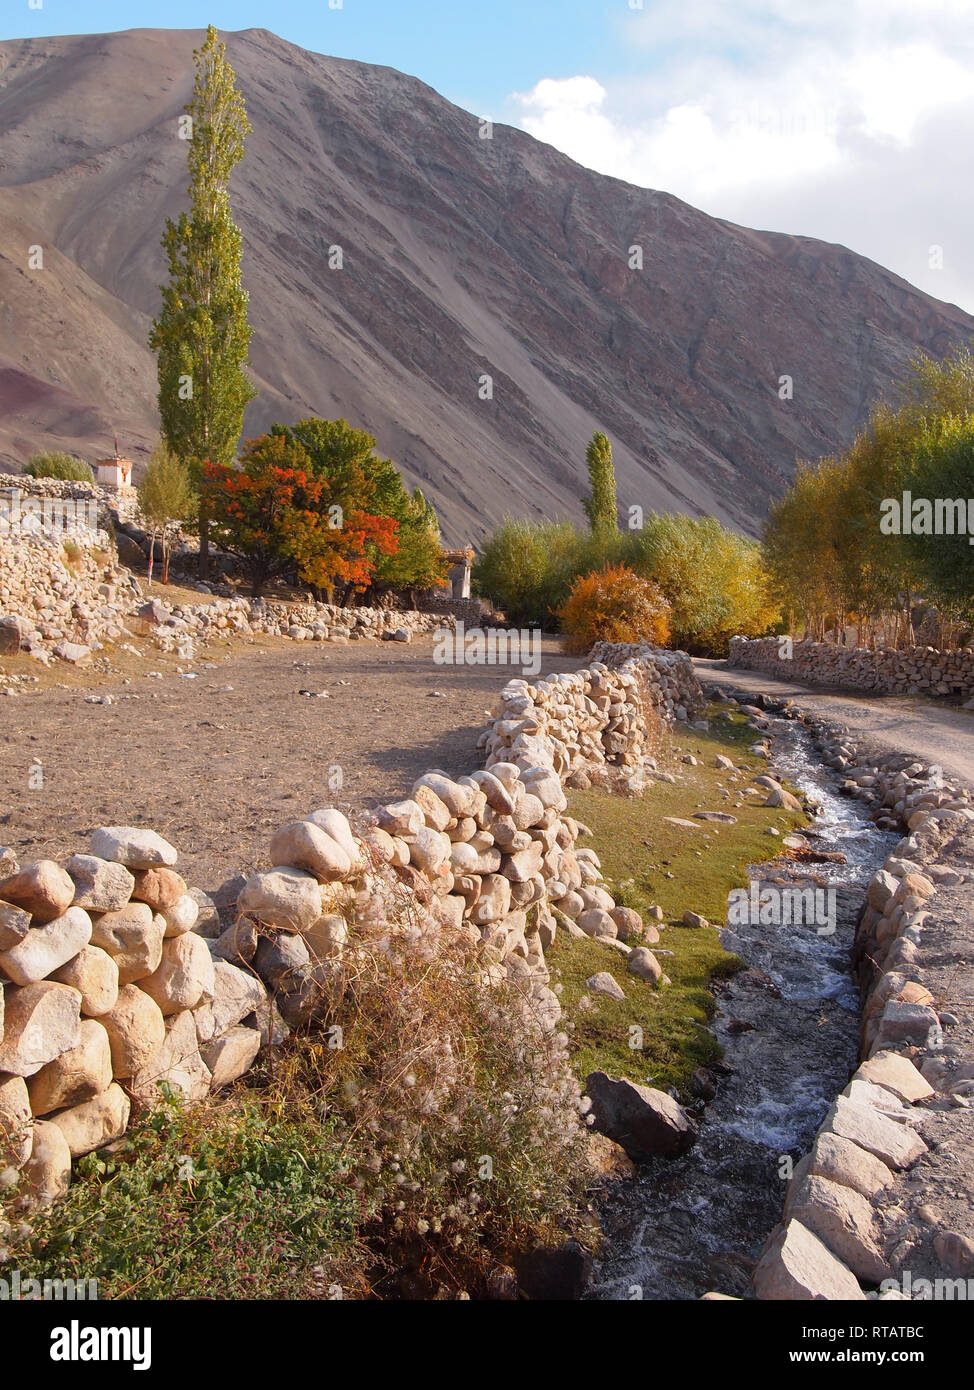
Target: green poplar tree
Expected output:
[201,336]
[600,505]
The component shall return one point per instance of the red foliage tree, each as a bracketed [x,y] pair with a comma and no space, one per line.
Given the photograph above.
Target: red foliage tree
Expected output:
[273,512]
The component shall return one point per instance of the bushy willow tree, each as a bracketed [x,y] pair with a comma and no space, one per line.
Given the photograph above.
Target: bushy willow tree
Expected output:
[614,605]
[713,578]
[944,468]
[934,390]
[800,549]
[201,336]
[527,568]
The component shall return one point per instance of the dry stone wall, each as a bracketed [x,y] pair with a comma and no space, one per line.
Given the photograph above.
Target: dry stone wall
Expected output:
[60,592]
[668,677]
[915,671]
[117,976]
[185,627]
[65,599]
[107,503]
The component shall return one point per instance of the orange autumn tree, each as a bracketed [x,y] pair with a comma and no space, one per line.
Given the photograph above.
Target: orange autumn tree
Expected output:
[277,516]
[328,555]
[614,605]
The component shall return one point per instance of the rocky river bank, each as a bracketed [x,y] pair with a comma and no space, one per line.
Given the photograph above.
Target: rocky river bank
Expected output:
[788,1024]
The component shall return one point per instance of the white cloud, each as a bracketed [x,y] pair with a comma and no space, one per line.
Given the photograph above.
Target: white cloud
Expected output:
[851,122]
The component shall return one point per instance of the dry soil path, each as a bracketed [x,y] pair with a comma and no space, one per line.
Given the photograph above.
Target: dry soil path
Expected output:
[218,762]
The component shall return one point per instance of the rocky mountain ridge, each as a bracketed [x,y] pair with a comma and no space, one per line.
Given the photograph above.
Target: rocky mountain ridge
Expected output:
[462,257]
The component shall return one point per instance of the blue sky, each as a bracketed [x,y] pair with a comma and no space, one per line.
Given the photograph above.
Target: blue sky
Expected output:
[848,120]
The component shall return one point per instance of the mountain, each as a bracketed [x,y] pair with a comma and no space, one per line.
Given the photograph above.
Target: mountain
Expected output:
[462,256]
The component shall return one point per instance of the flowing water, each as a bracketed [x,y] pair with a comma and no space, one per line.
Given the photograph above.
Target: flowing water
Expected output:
[789,1028]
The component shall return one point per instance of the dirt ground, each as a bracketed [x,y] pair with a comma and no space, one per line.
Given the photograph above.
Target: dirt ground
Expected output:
[218,762]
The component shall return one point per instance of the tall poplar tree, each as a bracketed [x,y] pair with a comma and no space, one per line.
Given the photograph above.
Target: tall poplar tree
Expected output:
[600,505]
[201,336]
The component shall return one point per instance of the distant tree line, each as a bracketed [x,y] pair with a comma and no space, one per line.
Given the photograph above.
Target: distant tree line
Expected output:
[709,582]
[863,536]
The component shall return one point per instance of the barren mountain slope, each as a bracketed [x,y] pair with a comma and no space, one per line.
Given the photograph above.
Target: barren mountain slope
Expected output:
[461,256]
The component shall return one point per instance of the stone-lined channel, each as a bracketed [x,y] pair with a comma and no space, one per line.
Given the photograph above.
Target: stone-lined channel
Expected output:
[789,1028]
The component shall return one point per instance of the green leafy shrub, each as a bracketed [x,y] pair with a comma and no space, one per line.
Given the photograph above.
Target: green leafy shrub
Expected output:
[64,467]
[942,468]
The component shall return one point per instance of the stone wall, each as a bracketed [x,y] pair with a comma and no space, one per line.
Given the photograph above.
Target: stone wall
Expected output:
[469,610]
[669,676]
[107,502]
[183,627]
[61,593]
[915,671]
[117,976]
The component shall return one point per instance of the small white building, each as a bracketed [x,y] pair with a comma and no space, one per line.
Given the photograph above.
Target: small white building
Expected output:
[114,473]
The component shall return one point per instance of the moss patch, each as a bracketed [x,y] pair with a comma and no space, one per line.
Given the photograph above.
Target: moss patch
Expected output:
[658,1035]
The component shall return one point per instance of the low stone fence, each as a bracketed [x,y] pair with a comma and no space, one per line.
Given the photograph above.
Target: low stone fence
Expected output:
[470,610]
[579,722]
[117,976]
[323,622]
[185,626]
[915,671]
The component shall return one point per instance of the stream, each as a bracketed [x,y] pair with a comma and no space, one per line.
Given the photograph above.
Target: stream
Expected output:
[789,1028]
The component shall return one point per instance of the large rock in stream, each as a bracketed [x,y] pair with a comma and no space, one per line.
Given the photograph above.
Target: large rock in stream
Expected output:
[646,1122]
